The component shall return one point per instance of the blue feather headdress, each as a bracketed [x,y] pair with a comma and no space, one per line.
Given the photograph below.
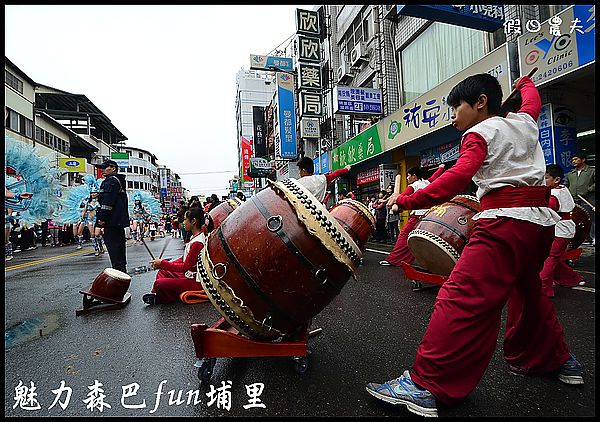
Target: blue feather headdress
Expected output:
[70,210]
[92,182]
[35,174]
[150,203]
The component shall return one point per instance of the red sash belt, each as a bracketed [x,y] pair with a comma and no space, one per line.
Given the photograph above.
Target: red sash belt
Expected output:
[511,197]
[565,215]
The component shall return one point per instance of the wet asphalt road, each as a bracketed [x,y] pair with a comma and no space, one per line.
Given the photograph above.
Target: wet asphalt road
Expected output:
[371,331]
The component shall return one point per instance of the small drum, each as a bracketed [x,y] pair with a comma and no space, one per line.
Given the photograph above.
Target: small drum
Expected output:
[110,286]
[278,263]
[583,224]
[222,211]
[356,219]
[440,236]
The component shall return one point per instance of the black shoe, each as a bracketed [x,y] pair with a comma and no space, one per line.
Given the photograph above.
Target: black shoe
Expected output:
[149,298]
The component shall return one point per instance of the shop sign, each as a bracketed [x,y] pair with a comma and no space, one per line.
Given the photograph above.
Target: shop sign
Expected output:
[558,135]
[259,167]
[324,161]
[439,154]
[122,159]
[309,49]
[307,22]
[72,164]
[258,62]
[311,104]
[258,123]
[368,176]
[309,128]
[430,112]
[563,43]
[360,148]
[286,144]
[246,154]
[350,100]
[476,16]
[309,76]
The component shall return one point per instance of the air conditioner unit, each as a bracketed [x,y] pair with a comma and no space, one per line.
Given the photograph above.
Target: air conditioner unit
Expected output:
[343,73]
[389,12]
[358,54]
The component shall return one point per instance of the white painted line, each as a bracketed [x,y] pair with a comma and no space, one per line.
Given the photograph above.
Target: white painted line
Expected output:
[376,251]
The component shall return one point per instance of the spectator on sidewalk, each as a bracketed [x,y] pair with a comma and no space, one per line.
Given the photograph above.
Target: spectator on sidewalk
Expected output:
[582,182]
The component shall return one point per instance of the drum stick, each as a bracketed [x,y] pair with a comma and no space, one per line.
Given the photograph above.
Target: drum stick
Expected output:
[164,247]
[148,249]
[583,199]
[514,91]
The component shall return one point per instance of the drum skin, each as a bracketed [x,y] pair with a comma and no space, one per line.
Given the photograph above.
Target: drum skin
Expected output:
[222,211]
[356,219]
[583,225]
[110,288]
[442,233]
[268,269]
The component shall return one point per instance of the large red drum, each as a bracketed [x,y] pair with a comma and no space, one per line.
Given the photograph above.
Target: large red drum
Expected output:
[271,267]
[109,286]
[442,233]
[356,219]
[222,211]
[583,225]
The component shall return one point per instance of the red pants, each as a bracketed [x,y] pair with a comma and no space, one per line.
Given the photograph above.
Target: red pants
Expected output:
[556,270]
[170,284]
[501,263]
[400,252]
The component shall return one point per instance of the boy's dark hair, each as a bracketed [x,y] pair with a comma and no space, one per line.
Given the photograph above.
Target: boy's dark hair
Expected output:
[472,87]
[415,171]
[214,198]
[306,164]
[555,170]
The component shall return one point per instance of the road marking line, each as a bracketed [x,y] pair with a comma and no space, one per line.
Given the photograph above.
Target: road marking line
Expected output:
[376,251]
[586,272]
[585,289]
[42,261]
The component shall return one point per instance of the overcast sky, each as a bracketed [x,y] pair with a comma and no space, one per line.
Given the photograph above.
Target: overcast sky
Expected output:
[164,75]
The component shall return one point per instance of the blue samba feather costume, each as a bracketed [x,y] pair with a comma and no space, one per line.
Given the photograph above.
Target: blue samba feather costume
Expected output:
[36,175]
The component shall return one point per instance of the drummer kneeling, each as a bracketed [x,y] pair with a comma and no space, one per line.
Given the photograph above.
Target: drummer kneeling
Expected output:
[176,277]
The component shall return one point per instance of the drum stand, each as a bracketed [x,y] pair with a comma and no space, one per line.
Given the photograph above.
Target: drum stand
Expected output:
[222,340]
[417,277]
[93,303]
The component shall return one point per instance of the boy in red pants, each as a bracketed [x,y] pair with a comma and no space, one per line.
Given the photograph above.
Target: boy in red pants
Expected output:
[555,270]
[501,262]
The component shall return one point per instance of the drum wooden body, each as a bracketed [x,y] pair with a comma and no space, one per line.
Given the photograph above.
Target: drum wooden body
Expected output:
[356,219]
[110,286]
[222,211]
[583,224]
[440,236]
[278,263]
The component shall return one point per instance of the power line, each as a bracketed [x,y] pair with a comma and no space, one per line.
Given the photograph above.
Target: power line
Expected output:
[208,172]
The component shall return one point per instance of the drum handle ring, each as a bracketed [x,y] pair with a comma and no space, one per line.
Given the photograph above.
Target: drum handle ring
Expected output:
[320,273]
[214,270]
[462,220]
[279,220]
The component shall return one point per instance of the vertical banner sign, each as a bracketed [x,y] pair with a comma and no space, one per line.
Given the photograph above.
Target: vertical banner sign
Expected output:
[246,154]
[558,134]
[258,121]
[287,115]
[387,175]
[163,182]
[309,49]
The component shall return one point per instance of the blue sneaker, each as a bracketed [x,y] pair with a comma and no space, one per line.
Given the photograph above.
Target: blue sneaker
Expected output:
[571,371]
[403,390]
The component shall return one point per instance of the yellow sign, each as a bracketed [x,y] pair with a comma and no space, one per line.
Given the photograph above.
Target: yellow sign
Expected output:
[72,164]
